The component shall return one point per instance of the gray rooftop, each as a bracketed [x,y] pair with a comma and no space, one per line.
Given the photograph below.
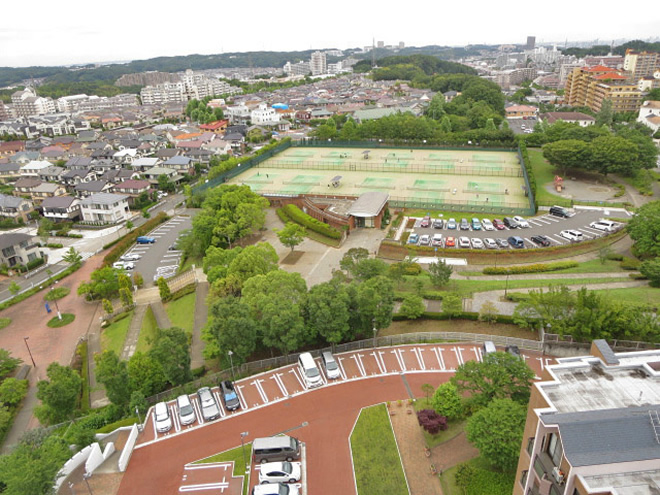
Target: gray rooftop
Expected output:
[7,240]
[58,202]
[103,199]
[635,483]
[606,351]
[368,204]
[7,201]
[606,436]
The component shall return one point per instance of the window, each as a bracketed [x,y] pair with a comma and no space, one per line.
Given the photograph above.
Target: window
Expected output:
[523,478]
[555,450]
[530,445]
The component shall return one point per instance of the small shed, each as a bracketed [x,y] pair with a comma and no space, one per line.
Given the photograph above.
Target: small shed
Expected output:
[368,209]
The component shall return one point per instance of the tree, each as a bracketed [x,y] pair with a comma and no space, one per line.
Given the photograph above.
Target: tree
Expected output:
[126,296]
[172,350]
[231,327]
[499,375]
[12,391]
[568,154]
[554,305]
[464,475]
[107,307]
[8,363]
[112,372]
[14,288]
[644,229]
[651,270]
[605,116]
[46,225]
[369,268]
[163,289]
[488,312]
[104,284]
[291,235]
[58,394]
[352,257]
[145,374]
[497,432]
[452,304]
[327,311]
[440,273]
[447,401]
[375,302]
[137,279]
[428,390]
[72,256]
[614,154]
[138,402]
[412,306]
[129,225]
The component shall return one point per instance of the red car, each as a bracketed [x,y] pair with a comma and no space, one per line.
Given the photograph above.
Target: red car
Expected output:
[426,221]
[450,242]
[498,224]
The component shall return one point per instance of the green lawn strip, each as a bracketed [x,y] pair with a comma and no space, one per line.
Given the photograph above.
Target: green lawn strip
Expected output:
[634,295]
[55,322]
[189,262]
[57,293]
[456,326]
[375,456]
[235,456]
[147,332]
[484,482]
[114,335]
[4,322]
[591,266]
[182,312]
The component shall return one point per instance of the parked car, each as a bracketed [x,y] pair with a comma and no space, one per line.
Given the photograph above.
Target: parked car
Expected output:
[522,223]
[559,211]
[210,408]
[476,224]
[143,239]
[502,243]
[426,221]
[604,225]
[463,242]
[571,235]
[477,243]
[185,409]
[497,223]
[123,265]
[451,224]
[516,242]
[279,472]
[510,222]
[450,242]
[228,394]
[464,224]
[425,240]
[130,257]
[490,243]
[540,240]
[275,489]
[437,240]
[438,223]
[162,418]
[486,224]
[413,238]
[330,365]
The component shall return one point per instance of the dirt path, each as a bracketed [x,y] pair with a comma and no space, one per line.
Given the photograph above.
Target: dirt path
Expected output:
[453,452]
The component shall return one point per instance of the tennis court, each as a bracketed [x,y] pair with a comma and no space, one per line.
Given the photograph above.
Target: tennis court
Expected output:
[436,177]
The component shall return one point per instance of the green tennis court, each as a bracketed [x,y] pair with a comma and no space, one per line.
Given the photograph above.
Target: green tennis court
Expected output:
[377,182]
[485,187]
[426,185]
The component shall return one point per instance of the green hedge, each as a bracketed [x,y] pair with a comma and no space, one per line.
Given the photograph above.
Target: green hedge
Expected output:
[118,424]
[129,239]
[630,263]
[517,296]
[428,315]
[184,291]
[535,268]
[302,218]
[84,374]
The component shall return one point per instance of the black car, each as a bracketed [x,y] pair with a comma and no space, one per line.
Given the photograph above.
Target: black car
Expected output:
[229,396]
[510,222]
[465,225]
[540,240]
[437,223]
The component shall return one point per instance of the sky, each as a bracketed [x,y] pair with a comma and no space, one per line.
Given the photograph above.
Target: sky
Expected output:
[75,31]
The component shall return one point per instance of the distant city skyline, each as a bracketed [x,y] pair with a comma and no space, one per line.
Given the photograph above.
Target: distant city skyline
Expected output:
[51,33]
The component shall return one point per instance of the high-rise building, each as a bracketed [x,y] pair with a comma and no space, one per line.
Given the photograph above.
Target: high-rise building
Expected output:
[318,63]
[27,103]
[590,86]
[593,426]
[640,64]
[531,43]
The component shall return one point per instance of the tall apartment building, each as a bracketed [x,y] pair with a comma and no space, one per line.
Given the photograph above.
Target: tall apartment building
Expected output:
[4,111]
[590,86]
[640,64]
[531,43]
[318,63]
[191,86]
[297,69]
[27,103]
[593,426]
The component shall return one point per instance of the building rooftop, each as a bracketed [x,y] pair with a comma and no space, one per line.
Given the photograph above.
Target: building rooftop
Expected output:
[368,204]
[635,483]
[103,199]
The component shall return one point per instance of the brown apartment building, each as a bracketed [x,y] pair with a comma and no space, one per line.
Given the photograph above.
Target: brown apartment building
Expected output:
[590,86]
[593,426]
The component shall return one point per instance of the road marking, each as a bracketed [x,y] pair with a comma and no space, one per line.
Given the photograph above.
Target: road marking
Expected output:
[553,219]
[205,486]
[459,356]
[591,230]
[538,221]
[341,368]
[302,385]
[358,361]
[559,239]
[587,234]
[175,418]
[418,354]
[153,421]
[260,389]
[280,383]
[375,355]
[438,354]
[399,358]
[241,400]
[198,410]
[478,354]
[382,360]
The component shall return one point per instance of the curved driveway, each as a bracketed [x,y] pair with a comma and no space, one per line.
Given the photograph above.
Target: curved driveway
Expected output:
[274,404]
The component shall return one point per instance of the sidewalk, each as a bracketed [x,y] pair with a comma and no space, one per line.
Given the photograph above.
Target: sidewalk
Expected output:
[201,316]
[162,320]
[130,343]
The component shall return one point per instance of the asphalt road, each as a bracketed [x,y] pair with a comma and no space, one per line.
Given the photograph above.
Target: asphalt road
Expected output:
[546,224]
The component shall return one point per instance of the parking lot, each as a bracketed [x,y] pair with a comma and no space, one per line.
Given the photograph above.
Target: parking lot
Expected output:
[544,225]
[160,259]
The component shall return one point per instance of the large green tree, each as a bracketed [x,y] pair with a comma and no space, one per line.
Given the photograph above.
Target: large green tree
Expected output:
[497,432]
[112,372]
[644,229]
[375,302]
[328,311]
[440,273]
[614,155]
[568,154]
[291,235]
[58,394]
[145,374]
[447,401]
[104,284]
[172,350]
[231,327]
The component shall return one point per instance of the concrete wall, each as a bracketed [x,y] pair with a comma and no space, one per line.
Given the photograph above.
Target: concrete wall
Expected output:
[128,448]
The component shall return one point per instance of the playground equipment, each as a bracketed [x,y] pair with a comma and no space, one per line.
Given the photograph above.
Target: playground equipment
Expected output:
[559,184]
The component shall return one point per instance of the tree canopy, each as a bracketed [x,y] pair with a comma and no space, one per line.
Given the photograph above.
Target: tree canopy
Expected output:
[58,394]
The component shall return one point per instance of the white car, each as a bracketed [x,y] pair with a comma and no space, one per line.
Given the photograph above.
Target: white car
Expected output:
[186,411]
[463,242]
[522,223]
[477,243]
[436,240]
[279,472]
[162,418]
[490,243]
[487,224]
[123,265]
[604,225]
[130,257]
[571,235]
[425,240]
[275,489]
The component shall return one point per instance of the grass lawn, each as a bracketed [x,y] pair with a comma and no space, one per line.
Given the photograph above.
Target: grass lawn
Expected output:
[147,332]
[634,295]
[4,322]
[484,482]
[375,456]
[113,336]
[464,326]
[544,174]
[591,266]
[189,262]
[57,293]
[182,312]
[235,455]
[55,322]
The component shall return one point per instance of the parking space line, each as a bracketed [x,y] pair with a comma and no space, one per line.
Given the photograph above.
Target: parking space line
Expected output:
[438,354]
[198,411]
[559,238]
[302,385]
[175,417]
[153,422]
[587,234]
[478,354]
[399,359]
[418,354]
[540,361]
[358,361]
[375,355]
[205,486]
[591,230]
[382,361]
[260,389]
[552,219]
[341,368]
[241,400]
[459,356]
[278,380]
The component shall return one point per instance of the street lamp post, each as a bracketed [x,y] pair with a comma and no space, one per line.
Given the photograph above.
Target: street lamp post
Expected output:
[375,333]
[137,411]
[231,361]
[243,435]
[25,339]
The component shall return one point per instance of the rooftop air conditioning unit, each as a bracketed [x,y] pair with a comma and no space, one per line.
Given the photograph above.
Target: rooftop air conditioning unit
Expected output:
[557,475]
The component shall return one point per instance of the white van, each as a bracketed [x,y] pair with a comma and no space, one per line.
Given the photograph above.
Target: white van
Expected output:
[185,408]
[488,348]
[605,225]
[309,370]
[571,235]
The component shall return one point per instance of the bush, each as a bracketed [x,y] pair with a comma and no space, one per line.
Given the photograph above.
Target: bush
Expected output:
[35,263]
[615,256]
[535,268]
[302,218]
[429,315]
[431,421]
[630,263]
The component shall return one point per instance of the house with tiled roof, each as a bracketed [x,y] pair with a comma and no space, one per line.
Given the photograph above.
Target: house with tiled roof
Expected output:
[580,118]
[182,164]
[216,127]
[72,178]
[118,175]
[133,189]
[61,208]
[18,249]
[24,186]
[154,173]
[649,114]
[9,172]
[520,111]
[85,189]
[51,174]
[33,168]
[11,147]
[16,208]
[46,190]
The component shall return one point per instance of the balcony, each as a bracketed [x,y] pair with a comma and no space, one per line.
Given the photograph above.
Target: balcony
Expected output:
[543,467]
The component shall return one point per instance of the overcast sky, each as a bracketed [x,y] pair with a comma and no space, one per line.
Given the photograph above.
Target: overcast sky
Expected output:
[76,31]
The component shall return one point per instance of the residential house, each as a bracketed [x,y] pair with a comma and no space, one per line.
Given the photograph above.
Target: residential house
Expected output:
[649,114]
[105,208]
[218,147]
[18,249]
[182,164]
[9,172]
[15,208]
[61,208]
[24,157]
[216,127]
[142,164]
[520,111]
[165,153]
[582,119]
[200,156]
[33,168]
[79,163]
[118,175]
[154,173]
[72,178]
[85,189]
[132,189]
[25,185]
[125,156]
[51,174]
[53,153]
[11,147]
[46,190]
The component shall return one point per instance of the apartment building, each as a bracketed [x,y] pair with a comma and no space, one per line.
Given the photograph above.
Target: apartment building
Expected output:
[593,426]
[318,63]
[26,103]
[640,64]
[105,207]
[590,86]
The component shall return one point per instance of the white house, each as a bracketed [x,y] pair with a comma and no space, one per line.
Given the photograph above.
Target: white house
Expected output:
[649,114]
[33,168]
[238,114]
[264,115]
[105,207]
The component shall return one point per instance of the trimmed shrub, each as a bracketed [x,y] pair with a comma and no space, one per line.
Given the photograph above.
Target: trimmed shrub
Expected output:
[35,263]
[630,263]
[535,268]
[615,256]
[431,421]
[307,221]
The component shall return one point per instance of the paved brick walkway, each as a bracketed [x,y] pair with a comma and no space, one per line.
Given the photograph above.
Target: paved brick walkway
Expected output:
[162,320]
